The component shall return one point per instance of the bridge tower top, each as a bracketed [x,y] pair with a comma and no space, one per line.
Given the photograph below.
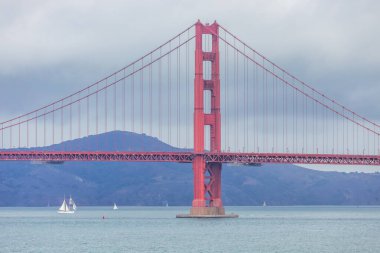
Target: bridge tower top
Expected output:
[201,84]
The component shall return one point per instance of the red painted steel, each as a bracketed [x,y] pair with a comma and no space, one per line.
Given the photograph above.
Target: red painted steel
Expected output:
[189,157]
[54,156]
[214,169]
[198,162]
[280,158]
[207,190]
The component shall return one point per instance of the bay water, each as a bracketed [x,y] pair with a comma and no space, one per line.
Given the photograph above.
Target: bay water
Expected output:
[155,229]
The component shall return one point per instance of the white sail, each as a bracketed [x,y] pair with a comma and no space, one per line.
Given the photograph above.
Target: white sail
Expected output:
[64,207]
[115,206]
[72,204]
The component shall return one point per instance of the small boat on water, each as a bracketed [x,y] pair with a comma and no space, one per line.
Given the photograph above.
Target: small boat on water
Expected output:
[264,204]
[72,204]
[67,208]
[115,206]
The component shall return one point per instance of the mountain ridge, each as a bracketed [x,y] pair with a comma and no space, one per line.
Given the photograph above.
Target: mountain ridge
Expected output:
[137,183]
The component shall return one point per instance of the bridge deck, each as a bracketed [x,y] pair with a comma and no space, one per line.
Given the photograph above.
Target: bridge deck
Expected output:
[187,157]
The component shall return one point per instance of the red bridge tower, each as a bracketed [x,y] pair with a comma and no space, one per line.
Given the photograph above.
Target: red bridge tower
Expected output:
[207,175]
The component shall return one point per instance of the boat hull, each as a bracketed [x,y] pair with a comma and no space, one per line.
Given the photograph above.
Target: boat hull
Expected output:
[65,211]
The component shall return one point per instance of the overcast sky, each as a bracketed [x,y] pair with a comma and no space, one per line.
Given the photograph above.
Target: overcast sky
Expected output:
[49,49]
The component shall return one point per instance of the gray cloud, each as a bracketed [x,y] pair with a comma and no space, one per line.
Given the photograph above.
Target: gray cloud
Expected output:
[331,45]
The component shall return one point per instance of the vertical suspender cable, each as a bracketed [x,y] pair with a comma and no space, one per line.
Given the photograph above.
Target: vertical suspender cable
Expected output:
[97,110]
[150,96]
[283,118]
[226,102]
[266,112]
[178,93]
[71,120]
[160,96]
[237,103]
[45,128]
[106,106]
[53,127]
[123,101]
[343,132]
[169,95]
[304,123]
[142,97]
[36,131]
[286,114]
[244,101]
[368,144]
[187,93]
[114,137]
[19,133]
[10,136]
[333,134]
[97,113]
[273,113]
[79,116]
[61,121]
[27,135]
[114,112]
[133,98]
[294,120]
[88,112]
[353,136]
[253,96]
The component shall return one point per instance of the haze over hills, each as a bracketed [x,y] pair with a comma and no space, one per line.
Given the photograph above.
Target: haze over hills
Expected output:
[102,183]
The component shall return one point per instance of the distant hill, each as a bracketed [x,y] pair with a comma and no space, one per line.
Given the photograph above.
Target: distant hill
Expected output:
[102,183]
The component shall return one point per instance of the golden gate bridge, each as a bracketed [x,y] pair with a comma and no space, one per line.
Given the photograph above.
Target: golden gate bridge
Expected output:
[228,104]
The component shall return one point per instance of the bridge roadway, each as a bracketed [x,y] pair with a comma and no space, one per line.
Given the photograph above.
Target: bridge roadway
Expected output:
[187,157]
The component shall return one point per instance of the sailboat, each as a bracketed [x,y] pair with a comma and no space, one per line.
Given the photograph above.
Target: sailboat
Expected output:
[70,208]
[115,206]
[264,204]
[72,204]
